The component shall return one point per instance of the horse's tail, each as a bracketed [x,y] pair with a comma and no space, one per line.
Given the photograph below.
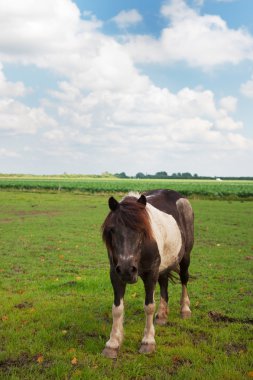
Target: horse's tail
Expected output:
[174,278]
[174,275]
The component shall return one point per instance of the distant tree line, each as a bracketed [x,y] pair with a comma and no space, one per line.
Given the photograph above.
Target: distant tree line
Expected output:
[185,175]
[165,175]
[161,175]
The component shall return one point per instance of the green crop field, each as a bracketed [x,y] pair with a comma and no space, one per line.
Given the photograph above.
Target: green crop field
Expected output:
[56,296]
[204,188]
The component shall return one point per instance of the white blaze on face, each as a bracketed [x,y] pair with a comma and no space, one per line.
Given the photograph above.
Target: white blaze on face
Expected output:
[167,235]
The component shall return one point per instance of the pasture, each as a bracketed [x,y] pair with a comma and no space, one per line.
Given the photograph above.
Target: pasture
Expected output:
[56,296]
[198,188]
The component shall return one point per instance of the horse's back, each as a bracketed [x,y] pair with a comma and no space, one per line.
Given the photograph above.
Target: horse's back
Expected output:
[165,200]
[175,204]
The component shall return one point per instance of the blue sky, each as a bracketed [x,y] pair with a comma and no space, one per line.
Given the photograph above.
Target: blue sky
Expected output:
[92,86]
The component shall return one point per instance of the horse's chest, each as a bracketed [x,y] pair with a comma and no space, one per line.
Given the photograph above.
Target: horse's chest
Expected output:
[168,238]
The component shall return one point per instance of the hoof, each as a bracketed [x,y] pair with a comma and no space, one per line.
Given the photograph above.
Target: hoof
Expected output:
[186,314]
[160,321]
[147,349]
[110,353]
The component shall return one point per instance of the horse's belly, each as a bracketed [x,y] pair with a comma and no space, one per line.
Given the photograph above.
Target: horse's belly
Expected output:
[170,244]
[170,256]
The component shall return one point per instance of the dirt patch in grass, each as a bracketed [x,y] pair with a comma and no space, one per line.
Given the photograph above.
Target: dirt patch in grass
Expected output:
[218,317]
[6,220]
[235,348]
[24,305]
[248,257]
[177,363]
[18,269]
[24,213]
[24,360]
[199,337]
[70,283]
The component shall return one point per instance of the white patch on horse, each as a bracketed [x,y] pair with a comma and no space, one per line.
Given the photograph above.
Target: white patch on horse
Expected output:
[167,236]
[116,335]
[149,331]
[150,196]
[126,258]
[185,303]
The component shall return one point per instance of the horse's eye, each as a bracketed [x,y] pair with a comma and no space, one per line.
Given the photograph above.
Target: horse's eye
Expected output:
[112,230]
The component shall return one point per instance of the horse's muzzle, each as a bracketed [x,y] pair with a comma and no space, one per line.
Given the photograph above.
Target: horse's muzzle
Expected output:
[127,274]
[133,280]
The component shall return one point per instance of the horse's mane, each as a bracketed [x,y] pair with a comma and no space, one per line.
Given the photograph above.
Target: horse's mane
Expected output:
[131,214]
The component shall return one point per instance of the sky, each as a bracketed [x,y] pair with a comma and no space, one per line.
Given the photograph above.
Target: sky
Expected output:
[90,86]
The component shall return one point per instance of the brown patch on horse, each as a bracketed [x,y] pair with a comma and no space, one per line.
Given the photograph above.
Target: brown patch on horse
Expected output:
[131,214]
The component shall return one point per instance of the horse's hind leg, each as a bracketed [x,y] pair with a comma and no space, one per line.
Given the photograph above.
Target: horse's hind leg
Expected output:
[162,313]
[184,277]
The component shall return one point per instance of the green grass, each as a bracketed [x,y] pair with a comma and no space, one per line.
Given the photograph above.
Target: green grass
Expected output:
[204,188]
[56,296]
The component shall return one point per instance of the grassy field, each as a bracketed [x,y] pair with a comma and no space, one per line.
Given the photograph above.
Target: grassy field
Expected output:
[56,296]
[203,188]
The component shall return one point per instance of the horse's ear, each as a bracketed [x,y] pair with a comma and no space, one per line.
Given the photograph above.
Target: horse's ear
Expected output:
[142,200]
[113,204]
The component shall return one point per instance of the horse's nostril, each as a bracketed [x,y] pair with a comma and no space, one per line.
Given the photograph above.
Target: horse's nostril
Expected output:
[133,269]
[118,269]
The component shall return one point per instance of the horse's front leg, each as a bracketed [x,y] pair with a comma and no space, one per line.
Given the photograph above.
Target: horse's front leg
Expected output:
[112,346]
[148,341]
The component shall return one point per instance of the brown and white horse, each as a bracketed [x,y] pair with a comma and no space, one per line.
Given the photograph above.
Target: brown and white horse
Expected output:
[148,235]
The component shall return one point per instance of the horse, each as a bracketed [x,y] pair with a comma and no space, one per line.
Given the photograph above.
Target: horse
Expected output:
[149,235]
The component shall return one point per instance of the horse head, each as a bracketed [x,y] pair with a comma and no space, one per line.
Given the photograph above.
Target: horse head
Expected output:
[124,231]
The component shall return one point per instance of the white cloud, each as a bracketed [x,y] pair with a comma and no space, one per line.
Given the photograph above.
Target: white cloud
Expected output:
[239,142]
[176,10]
[201,41]
[92,19]
[247,88]
[224,122]
[16,118]
[199,3]
[150,118]
[59,40]
[50,32]
[55,135]
[229,103]
[8,153]
[125,19]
